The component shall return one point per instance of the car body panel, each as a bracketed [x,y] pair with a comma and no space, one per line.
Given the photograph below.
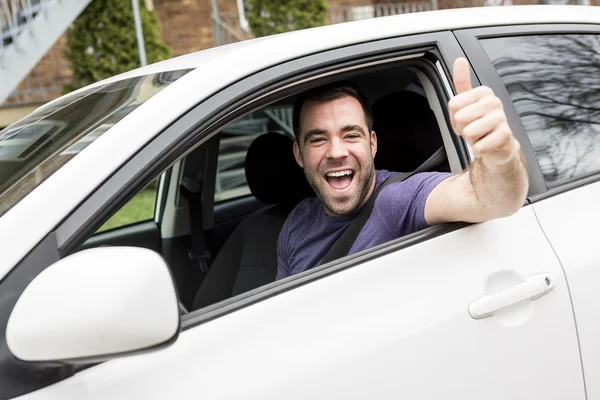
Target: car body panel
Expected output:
[392,327]
[570,222]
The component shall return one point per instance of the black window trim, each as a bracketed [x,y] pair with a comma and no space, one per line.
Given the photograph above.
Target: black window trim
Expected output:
[198,125]
[161,196]
[487,74]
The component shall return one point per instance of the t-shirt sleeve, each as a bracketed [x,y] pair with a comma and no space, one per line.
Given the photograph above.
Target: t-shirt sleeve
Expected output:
[403,204]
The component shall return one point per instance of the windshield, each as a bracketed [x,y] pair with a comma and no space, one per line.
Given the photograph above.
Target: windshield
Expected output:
[35,147]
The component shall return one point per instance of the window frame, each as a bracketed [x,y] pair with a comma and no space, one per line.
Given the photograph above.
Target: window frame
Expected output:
[250,94]
[204,121]
[487,74]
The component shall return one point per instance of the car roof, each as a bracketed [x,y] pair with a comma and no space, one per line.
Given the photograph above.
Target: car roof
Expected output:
[275,49]
[336,35]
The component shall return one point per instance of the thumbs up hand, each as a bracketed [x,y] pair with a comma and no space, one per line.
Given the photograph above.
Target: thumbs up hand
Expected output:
[478,116]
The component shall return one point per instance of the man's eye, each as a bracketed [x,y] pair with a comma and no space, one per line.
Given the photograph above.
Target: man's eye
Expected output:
[352,136]
[316,140]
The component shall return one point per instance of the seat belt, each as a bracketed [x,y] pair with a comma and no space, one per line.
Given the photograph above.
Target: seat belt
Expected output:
[198,252]
[344,243]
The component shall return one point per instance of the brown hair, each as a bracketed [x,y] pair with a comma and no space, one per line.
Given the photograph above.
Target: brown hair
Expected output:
[330,92]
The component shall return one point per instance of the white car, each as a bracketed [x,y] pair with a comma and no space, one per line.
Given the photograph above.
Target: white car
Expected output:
[180,301]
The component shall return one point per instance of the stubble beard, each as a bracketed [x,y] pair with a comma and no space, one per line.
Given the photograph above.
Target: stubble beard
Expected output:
[347,204]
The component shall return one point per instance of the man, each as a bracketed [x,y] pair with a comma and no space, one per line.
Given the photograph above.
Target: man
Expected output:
[335,145]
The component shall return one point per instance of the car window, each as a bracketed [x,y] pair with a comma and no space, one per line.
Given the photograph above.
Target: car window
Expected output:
[553,82]
[233,146]
[139,209]
[35,147]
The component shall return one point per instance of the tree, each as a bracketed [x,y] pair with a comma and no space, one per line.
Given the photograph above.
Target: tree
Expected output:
[268,17]
[102,41]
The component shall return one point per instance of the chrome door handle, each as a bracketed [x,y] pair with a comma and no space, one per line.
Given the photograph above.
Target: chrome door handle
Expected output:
[532,288]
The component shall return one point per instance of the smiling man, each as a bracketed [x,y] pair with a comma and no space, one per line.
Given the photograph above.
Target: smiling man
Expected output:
[336,145]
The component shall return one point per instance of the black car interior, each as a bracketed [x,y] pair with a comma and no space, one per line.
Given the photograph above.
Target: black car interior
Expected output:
[247,260]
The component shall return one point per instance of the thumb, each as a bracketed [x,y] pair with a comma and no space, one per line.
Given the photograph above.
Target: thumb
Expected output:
[461,75]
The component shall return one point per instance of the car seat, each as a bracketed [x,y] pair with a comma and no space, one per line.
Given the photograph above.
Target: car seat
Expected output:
[248,259]
[407,131]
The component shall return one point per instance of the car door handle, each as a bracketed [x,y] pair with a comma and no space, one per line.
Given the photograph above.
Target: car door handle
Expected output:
[530,289]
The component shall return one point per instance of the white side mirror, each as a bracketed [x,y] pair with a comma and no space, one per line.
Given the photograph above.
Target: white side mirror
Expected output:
[95,305]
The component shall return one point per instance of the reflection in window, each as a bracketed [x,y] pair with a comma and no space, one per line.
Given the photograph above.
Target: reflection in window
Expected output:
[233,146]
[554,82]
[35,147]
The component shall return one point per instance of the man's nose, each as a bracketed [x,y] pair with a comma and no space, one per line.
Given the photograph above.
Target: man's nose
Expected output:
[337,149]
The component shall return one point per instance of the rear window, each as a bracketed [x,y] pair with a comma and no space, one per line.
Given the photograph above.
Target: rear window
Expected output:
[233,146]
[35,147]
[554,82]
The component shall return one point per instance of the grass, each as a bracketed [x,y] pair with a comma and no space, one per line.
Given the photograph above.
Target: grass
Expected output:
[140,208]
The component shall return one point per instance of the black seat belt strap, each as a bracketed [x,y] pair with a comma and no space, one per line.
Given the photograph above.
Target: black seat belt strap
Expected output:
[341,247]
[197,252]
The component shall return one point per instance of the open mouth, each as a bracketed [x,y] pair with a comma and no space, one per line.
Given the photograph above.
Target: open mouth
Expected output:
[340,180]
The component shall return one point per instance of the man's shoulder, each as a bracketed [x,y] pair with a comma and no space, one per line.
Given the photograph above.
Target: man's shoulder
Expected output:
[307,209]
[308,204]
[413,184]
[417,179]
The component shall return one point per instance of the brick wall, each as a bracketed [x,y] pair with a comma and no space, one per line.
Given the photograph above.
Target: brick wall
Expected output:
[226,6]
[186,25]
[336,3]
[45,81]
[444,4]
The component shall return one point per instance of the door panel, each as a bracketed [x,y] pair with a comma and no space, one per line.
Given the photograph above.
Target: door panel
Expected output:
[393,327]
[570,221]
[549,73]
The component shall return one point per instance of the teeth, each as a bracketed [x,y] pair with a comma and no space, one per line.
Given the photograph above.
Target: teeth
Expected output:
[339,173]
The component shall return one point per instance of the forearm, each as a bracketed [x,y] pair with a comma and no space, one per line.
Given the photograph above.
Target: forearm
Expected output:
[496,183]
[499,188]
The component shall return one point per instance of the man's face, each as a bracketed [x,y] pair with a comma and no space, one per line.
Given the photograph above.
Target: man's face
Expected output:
[336,151]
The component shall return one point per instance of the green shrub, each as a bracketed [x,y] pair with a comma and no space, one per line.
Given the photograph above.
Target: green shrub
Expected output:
[268,17]
[102,41]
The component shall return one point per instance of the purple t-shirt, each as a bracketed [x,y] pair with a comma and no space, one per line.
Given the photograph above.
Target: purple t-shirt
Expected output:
[308,232]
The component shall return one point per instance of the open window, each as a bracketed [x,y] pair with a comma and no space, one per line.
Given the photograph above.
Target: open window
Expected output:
[225,200]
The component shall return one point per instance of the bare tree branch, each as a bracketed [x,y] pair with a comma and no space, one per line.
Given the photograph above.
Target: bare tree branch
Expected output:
[554,81]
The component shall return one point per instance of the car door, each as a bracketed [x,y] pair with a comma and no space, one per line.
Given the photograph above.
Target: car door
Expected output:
[390,322]
[557,94]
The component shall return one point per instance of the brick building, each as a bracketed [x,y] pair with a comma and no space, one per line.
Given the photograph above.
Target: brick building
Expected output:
[187,26]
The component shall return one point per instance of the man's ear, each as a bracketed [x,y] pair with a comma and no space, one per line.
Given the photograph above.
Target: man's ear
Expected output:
[373,143]
[298,155]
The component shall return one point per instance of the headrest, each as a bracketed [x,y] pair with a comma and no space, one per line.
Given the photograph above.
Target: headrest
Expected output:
[407,131]
[272,173]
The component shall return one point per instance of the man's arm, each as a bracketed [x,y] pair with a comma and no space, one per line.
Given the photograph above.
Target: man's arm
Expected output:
[496,183]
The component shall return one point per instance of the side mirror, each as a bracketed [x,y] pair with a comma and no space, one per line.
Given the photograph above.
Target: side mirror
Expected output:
[94,305]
